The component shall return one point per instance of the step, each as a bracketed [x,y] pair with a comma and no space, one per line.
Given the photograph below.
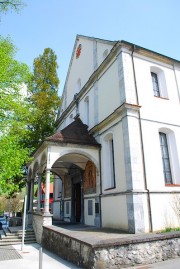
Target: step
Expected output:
[11,237]
[16,242]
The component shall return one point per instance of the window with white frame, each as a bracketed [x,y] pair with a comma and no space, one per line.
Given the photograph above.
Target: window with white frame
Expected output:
[158,82]
[109,165]
[155,84]
[165,158]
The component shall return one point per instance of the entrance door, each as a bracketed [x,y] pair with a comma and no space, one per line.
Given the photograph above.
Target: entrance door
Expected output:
[77,196]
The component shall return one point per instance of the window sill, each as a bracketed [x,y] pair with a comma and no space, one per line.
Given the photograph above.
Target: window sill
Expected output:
[172,185]
[160,97]
[110,189]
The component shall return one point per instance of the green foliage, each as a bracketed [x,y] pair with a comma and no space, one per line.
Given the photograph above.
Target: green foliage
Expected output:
[14,111]
[169,229]
[6,5]
[43,97]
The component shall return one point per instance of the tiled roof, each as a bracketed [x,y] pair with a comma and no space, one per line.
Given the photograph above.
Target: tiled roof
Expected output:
[74,133]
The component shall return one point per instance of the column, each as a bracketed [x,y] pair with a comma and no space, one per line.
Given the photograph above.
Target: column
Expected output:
[39,192]
[28,190]
[82,199]
[31,196]
[46,202]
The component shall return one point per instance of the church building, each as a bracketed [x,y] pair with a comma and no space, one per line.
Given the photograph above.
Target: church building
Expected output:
[116,151]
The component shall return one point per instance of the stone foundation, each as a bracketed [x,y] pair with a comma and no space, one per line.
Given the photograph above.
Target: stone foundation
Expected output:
[130,251]
[40,220]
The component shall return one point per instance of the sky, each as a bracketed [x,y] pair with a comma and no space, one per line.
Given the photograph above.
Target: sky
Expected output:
[152,24]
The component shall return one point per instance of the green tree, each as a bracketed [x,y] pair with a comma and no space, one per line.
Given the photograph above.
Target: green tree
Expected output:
[6,5]
[14,112]
[44,96]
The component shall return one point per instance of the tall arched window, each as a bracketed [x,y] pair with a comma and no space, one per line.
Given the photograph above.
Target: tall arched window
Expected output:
[109,165]
[170,156]
[165,158]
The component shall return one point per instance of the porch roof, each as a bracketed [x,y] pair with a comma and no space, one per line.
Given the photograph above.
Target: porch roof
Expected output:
[74,133]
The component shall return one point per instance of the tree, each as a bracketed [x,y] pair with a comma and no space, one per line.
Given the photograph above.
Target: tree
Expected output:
[44,96]
[5,5]
[14,111]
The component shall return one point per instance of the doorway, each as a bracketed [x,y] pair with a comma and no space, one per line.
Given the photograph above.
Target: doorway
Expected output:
[77,201]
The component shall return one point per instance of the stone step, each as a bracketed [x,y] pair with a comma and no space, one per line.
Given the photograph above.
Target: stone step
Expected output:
[11,237]
[4,243]
[16,237]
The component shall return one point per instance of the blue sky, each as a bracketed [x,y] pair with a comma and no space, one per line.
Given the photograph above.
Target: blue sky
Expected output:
[153,24]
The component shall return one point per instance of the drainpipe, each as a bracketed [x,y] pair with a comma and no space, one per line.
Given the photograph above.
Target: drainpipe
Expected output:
[100,178]
[142,145]
[176,82]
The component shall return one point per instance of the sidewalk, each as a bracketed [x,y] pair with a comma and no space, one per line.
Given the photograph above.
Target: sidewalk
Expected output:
[29,259]
[169,264]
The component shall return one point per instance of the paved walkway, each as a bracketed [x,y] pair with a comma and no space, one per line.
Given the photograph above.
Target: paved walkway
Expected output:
[29,259]
[170,264]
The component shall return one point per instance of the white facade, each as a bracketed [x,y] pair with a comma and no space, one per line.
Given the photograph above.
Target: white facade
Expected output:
[109,86]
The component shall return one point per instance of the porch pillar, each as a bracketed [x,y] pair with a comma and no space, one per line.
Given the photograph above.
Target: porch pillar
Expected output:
[82,200]
[31,196]
[39,192]
[46,202]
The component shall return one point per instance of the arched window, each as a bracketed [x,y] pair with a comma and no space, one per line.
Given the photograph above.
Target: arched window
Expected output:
[169,155]
[158,82]
[165,158]
[109,165]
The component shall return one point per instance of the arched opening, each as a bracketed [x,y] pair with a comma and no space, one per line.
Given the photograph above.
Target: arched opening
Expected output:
[78,175]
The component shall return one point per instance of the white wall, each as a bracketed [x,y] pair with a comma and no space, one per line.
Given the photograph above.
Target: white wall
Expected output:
[114,212]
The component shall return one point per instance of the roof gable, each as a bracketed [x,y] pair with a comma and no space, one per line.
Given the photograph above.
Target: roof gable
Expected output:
[87,55]
[74,133]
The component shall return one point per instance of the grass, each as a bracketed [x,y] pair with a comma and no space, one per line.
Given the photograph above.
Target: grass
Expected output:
[169,229]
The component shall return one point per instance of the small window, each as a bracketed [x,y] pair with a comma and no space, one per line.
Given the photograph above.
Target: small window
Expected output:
[86,103]
[67,207]
[105,54]
[90,207]
[78,85]
[71,118]
[155,84]
[165,158]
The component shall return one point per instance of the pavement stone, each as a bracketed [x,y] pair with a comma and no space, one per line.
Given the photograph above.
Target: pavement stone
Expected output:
[9,253]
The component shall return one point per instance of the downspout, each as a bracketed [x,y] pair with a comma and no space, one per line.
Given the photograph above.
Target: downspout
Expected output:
[100,211]
[142,145]
[176,82]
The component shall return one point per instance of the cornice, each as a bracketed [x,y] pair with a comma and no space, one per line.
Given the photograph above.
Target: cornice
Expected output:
[117,112]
